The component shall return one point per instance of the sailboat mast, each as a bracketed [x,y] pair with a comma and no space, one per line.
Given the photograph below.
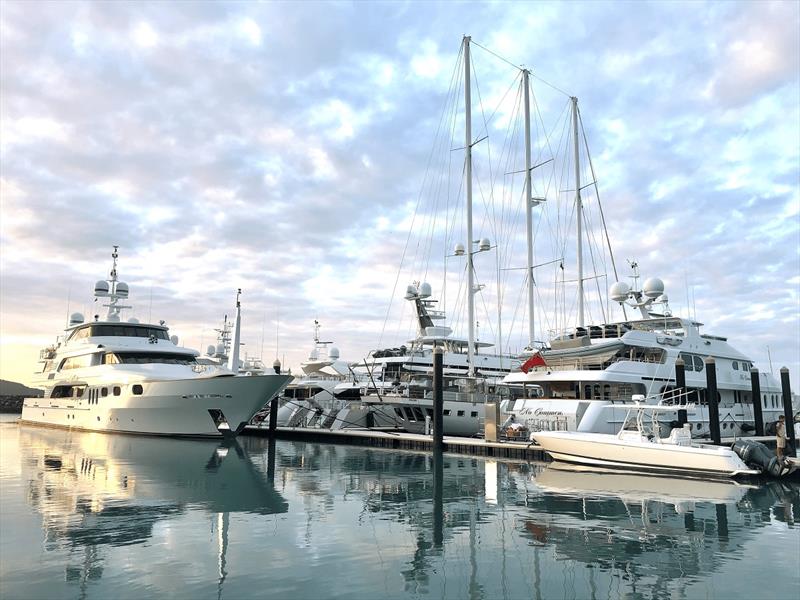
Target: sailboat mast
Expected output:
[528,205]
[578,211]
[468,165]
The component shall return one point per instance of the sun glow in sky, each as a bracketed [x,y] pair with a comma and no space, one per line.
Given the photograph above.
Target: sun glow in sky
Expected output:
[280,148]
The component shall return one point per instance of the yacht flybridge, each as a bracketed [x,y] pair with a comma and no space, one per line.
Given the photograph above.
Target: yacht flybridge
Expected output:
[587,377]
[124,376]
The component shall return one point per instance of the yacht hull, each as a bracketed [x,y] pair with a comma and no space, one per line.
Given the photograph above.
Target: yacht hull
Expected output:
[202,407]
[668,459]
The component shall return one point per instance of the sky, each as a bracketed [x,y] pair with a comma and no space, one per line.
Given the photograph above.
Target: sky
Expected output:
[285,149]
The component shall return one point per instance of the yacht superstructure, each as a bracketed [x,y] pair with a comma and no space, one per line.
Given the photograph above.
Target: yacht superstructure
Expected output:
[114,376]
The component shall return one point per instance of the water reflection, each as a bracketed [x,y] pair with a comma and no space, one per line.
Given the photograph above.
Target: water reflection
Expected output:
[361,523]
[94,490]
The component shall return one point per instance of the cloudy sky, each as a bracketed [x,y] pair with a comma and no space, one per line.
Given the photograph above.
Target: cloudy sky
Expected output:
[285,149]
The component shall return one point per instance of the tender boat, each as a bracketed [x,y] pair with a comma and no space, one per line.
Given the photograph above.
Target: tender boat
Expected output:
[639,448]
[129,377]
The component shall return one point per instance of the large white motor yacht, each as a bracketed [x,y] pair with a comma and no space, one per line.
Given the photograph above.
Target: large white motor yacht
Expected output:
[586,378]
[114,376]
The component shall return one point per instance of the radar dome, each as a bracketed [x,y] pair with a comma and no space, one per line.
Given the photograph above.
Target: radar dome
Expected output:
[411,292]
[459,250]
[664,298]
[210,350]
[113,318]
[75,319]
[425,290]
[220,348]
[122,289]
[101,288]
[653,287]
[484,245]
[314,355]
[133,320]
[174,339]
[619,291]
[333,353]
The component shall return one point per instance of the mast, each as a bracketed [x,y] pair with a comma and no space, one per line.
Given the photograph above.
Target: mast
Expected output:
[528,206]
[470,254]
[233,359]
[578,211]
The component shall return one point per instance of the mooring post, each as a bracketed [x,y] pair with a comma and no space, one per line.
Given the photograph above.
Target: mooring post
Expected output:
[273,415]
[755,389]
[787,412]
[680,389]
[438,400]
[713,401]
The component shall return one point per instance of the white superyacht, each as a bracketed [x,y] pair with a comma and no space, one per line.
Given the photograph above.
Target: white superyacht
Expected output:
[113,376]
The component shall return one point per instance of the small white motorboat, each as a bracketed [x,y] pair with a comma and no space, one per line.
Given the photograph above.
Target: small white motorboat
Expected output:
[637,447]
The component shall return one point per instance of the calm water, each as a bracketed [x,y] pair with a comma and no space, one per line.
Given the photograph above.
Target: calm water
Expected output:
[101,516]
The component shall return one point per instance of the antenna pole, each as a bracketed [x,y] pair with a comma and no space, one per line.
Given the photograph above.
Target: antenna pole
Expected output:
[578,211]
[528,207]
[470,254]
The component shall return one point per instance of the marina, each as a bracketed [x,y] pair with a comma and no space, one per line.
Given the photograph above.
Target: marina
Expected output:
[523,399]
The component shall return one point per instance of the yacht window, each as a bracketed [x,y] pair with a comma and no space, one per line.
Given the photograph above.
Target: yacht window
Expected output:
[408,413]
[143,358]
[698,363]
[735,366]
[398,412]
[128,331]
[78,334]
[104,392]
[78,390]
[687,361]
[117,390]
[418,413]
[460,413]
[474,414]
[429,412]
[137,389]
[446,412]
[77,362]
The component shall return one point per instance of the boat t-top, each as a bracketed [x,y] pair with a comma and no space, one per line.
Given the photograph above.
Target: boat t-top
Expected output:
[112,375]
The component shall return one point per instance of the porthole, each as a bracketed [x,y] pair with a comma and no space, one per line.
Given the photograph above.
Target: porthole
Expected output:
[137,389]
[98,418]
[117,390]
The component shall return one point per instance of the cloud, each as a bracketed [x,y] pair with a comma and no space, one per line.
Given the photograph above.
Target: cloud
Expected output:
[284,149]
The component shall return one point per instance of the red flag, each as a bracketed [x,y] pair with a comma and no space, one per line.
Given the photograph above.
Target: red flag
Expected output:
[537,360]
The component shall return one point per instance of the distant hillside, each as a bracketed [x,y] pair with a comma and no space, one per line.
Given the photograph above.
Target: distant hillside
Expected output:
[12,388]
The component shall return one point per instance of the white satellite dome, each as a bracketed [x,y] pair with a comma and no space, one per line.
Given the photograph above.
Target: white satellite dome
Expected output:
[484,245]
[122,289]
[314,355]
[133,320]
[113,318]
[663,298]
[174,339]
[75,318]
[333,353]
[411,292]
[619,291]
[210,350]
[425,290]
[220,348]
[459,250]
[101,288]
[653,287]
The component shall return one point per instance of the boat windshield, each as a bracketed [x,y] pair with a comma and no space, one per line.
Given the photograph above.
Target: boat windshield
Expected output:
[115,358]
[119,330]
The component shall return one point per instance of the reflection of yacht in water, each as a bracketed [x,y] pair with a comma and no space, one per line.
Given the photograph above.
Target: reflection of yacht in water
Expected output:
[94,491]
[114,376]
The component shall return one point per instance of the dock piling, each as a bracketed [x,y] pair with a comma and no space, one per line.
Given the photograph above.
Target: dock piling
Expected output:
[681,391]
[713,400]
[755,388]
[273,415]
[438,400]
[787,412]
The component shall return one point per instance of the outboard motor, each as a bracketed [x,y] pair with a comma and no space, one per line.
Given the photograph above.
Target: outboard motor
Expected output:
[757,456]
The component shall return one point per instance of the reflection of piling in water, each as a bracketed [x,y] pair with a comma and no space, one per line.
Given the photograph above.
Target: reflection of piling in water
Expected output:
[438,499]
[722,521]
[271,460]
[790,449]
[755,388]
